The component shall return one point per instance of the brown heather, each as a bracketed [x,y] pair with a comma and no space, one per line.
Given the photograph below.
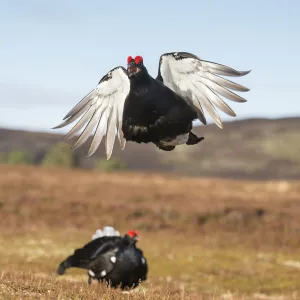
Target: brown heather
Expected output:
[204,238]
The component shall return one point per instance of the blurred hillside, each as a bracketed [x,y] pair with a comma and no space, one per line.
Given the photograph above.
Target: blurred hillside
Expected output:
[252,148]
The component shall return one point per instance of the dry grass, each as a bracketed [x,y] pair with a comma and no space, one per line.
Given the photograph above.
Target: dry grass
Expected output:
[203,238]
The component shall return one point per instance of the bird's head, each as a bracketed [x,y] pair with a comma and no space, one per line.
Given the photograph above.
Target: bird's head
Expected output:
[134,234]
[135,66]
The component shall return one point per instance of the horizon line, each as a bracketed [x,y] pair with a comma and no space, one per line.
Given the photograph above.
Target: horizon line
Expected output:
[50,130]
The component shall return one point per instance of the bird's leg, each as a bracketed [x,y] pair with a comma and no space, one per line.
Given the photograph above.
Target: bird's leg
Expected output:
[89,279]
[193,139]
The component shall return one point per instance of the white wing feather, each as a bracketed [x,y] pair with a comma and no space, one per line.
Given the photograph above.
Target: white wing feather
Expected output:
[197,82]
[102,109]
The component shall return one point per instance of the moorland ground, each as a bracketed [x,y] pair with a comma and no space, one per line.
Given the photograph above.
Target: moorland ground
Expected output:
[204,238]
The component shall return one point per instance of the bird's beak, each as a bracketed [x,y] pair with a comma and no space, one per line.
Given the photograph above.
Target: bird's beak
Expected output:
[136,238]
[132,69]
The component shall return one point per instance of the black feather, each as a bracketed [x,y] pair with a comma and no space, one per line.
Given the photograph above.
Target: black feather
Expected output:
[153,112]
[127,271]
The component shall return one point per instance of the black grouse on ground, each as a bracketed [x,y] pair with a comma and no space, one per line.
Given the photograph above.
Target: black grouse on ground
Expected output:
[160,110]
[110,258]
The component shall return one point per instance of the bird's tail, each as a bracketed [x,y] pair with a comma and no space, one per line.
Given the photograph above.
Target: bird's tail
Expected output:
[62,267]
[106,231]
[71,262]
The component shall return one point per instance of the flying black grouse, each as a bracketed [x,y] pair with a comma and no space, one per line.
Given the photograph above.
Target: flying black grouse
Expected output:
[143,109]
[110,258]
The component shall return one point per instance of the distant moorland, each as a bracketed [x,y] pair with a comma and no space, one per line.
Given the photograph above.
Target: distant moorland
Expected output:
[251,148]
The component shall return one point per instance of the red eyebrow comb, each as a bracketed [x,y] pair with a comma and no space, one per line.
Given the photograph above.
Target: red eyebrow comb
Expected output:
[129,59]
[132,233]
[138,59]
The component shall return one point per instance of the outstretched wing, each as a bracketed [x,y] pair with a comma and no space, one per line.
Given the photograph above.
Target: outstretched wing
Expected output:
[197,82]
[102,109]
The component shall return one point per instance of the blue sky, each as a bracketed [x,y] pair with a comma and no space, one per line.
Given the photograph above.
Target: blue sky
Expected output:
[54,52]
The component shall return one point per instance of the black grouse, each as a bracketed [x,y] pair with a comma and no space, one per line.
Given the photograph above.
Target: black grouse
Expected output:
[160,110]
[110,258]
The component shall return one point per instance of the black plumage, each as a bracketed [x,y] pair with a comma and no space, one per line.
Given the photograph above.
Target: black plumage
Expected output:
[161,110]
[153,112]
[112,259]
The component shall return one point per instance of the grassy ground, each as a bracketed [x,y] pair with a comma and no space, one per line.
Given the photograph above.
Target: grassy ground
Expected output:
[203,238]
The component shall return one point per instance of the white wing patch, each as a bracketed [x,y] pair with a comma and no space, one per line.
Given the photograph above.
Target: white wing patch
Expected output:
[103,273]
[197,82]
[113,259]
[106,231]
[102,109]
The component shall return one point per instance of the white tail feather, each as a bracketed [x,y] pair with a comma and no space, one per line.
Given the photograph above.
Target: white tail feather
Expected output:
[106,231]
